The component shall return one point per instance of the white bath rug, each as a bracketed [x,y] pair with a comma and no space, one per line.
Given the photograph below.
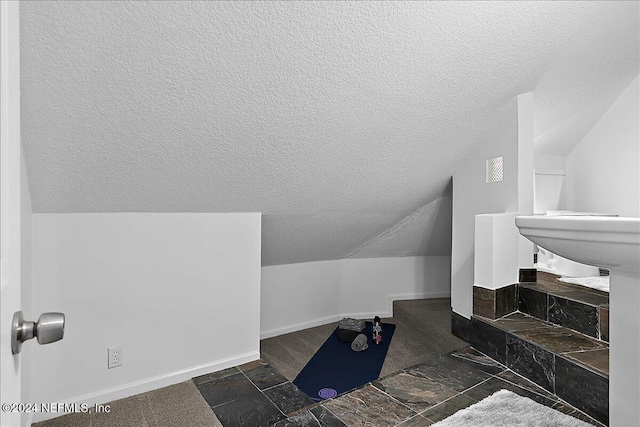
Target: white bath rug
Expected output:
[507,409]
[600,283]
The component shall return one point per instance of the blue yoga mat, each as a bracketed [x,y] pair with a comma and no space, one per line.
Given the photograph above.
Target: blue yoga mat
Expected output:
[335,368]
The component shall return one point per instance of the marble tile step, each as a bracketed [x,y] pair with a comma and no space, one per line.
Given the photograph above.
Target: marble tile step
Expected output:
[570,365]
[588,352]
[575,307]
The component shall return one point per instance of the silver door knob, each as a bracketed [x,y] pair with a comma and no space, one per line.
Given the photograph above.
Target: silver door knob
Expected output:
[49,328]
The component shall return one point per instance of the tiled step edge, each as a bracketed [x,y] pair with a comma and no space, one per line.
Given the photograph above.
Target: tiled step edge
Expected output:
[588,319]
[583,388]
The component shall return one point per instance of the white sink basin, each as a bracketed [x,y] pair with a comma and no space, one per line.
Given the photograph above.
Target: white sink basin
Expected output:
[607,242]
[612,243]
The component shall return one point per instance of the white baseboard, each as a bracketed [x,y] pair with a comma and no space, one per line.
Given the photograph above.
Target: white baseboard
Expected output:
[367,315]
[149,384]
[300,326]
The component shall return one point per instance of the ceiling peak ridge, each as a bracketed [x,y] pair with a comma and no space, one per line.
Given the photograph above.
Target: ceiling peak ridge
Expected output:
[404,222]
[605,101]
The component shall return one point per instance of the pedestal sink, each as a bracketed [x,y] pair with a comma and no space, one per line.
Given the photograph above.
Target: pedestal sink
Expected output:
[613,243]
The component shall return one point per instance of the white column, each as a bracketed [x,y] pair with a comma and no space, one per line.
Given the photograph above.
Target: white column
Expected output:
[624,352]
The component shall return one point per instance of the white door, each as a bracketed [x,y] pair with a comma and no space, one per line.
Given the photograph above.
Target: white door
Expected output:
[10,163]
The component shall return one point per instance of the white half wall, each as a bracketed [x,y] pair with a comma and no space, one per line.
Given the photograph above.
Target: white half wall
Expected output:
[299,296]
[495,261]
[179,292]
[603,169]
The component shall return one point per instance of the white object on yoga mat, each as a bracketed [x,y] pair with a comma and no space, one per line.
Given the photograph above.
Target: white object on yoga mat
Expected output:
[507,409]
[600,283]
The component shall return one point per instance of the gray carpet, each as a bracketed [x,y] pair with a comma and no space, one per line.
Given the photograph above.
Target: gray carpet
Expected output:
[176,405]
[423,330]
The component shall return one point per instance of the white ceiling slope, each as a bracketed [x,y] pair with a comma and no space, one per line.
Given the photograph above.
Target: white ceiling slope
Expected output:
[341,121]
[582,83]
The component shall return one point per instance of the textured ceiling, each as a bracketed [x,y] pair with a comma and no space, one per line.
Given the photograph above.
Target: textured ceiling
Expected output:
[341,121]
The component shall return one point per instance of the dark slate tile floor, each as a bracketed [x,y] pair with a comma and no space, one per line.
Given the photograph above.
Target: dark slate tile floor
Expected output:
[255,394]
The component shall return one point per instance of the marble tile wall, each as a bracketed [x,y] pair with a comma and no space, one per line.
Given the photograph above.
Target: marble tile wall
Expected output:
[460,326]
[528,275]
[581,310]
[531,361]
[494,303]
[489,340]
[584,389]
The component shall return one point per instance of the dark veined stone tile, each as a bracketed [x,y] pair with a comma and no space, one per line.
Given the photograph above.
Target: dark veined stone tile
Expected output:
[583,389]
[326,418]
[570,410]
[416,421]
[505,300]
[522,382]
[519,322]
[584,296]
[603,322]
[594,359]
[527,275]
[265,376]
[549,279]
[455,374]
[532,302]
[546,287]
[489,340]
[574,315]
[448,407]
[559,340]
[532,362]
[251,411]
[288,398]
[460,326]
[415,391]
[304,419]
[476,360]
[368,403]
[226,389]
[484,302]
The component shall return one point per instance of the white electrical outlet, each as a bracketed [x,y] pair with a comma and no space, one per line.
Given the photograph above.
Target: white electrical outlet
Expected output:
[114,355]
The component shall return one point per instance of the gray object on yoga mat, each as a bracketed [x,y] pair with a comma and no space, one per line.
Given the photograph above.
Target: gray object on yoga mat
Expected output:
[360,343]
[351,324]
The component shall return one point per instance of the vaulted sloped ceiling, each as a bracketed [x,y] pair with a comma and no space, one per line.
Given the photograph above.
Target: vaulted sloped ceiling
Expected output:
[341,121]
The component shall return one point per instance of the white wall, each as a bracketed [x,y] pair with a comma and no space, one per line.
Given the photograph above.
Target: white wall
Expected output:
[603,169]
[180,292]
[299,296]
[472,195]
